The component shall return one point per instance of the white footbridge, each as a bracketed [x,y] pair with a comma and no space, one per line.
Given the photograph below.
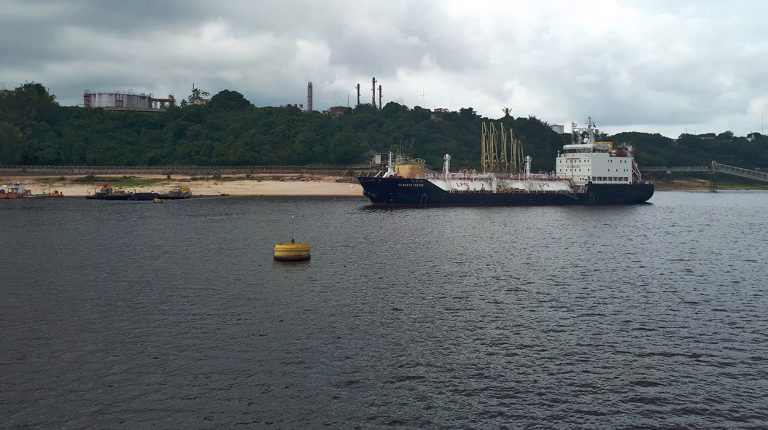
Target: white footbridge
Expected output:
[715,167]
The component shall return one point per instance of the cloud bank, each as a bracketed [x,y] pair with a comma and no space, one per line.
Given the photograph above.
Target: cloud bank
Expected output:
[695,66]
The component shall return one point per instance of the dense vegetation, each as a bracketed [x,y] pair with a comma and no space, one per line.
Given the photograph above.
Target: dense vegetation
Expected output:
[229,130]
[693,150]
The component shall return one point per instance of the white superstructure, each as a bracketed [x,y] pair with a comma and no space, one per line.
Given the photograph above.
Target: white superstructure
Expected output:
[580,163]
[586,160]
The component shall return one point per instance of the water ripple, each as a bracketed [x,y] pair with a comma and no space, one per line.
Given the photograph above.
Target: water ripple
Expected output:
[175,316]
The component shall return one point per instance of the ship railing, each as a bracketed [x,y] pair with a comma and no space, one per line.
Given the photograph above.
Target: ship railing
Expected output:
[515,191]
[471,174]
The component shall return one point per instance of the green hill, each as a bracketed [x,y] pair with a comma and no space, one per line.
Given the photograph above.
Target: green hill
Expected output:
[229,130]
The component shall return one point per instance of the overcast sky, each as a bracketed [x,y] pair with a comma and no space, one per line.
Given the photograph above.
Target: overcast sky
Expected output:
[660,66]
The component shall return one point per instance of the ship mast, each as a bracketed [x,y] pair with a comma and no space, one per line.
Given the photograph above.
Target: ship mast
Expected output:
[500,151]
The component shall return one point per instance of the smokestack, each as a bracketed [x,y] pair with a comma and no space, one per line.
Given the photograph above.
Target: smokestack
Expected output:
[380,105]
[358,95]
[373,88]
[309,97]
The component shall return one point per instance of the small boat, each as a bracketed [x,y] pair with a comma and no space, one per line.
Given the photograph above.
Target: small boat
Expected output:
[180,192]
[143,196]
[47,194]
[14,191]
[107,193]
[292,251]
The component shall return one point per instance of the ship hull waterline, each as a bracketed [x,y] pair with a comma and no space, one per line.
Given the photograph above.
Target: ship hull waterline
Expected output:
[422,192]
[127,196]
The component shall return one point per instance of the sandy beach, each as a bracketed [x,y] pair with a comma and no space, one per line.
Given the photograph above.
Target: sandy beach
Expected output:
[256,186]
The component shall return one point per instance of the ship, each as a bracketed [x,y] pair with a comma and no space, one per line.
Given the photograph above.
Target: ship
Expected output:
[587,172]
[14,191]
[107,193]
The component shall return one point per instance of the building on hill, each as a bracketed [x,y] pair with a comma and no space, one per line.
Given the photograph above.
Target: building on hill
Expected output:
[751,137]
[559,129]
[337,111]
[198,101]
[437,113]
[126,101]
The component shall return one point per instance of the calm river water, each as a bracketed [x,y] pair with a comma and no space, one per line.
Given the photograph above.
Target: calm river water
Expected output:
[139,315]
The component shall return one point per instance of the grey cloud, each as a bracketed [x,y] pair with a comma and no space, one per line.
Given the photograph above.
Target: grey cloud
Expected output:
[654,63]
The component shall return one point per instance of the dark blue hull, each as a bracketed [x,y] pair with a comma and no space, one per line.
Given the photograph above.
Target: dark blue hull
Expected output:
[421,192]
[122,196]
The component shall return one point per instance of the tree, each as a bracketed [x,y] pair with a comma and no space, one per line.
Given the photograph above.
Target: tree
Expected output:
[28,103]
[726,135]
[229,100]
[13,149]
[198,96]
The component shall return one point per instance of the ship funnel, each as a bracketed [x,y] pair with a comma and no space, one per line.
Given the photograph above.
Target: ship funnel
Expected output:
[446,165]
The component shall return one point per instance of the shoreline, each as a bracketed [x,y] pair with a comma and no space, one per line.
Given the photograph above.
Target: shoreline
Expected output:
[268,185]
[260,185]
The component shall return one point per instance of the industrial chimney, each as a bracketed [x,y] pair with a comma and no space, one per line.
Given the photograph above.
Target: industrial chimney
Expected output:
[358,94]
[309,97]
[380,105]
[373,88]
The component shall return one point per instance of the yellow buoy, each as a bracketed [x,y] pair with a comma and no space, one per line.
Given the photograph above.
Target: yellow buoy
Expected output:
[292,251]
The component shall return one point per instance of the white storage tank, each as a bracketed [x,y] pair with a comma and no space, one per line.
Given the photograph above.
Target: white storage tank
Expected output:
[117,100]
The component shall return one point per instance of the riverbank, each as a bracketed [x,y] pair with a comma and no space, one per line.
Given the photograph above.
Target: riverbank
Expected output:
[696,184]
[250,185]
[265,185]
